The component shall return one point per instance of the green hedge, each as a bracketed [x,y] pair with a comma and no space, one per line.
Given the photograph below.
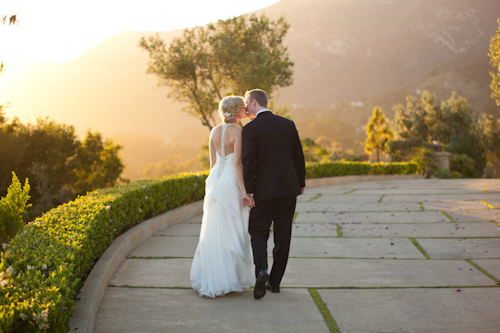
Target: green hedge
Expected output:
[333,169]
[44,267]
[42,270]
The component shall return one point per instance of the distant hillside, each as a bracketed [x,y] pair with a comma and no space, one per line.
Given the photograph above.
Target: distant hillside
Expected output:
[351,50]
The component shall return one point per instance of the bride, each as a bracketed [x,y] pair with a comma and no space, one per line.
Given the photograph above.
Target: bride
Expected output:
[223,259]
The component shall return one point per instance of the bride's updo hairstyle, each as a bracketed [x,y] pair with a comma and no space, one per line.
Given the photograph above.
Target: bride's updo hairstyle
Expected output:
[229,106]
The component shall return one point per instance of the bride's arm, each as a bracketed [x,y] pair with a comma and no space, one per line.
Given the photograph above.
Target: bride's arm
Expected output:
[211,150]
[238,166]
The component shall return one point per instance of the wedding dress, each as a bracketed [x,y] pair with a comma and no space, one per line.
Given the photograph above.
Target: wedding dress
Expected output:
[223,259]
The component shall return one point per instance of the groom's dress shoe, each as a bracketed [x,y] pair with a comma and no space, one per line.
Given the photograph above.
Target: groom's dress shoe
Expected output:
[273,289]
[260,284]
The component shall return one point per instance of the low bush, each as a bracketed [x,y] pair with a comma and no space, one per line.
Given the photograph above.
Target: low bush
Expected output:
[445,173]
[42,270]
[333,169]
[44,267]
[463,165]
[13,207]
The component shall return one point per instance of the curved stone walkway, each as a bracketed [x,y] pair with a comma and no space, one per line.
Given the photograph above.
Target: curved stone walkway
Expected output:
[387,256]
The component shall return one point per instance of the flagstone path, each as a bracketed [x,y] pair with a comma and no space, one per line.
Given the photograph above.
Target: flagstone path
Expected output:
[386,256]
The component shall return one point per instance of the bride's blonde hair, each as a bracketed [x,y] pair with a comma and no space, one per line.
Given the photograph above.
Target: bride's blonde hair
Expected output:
[229,106]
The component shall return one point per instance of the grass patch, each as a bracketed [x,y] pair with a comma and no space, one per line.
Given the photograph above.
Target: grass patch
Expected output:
[327,316]
[414,241]
[382,197]
[295,216]
[448,216]
[339,231]
[479,268]
[485,190]
[349,192]
[421,206]
[314,198]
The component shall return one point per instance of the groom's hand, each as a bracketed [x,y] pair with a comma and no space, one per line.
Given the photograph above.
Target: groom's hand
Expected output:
[302,190]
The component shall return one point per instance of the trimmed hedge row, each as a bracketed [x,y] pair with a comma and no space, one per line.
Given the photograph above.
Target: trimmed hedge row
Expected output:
[333,169]
[43,269]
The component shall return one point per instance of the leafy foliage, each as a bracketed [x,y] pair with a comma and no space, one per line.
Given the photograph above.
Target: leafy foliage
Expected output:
[13,207]
[462,165]
[333,169]
[471,145]
[313,152]
[59,166]
[378,133]
[495,63]
[42,271]
[426,161]
[491,128]
[228,57]
[453,122]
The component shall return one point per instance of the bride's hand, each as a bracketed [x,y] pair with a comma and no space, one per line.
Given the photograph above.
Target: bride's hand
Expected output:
[247,201]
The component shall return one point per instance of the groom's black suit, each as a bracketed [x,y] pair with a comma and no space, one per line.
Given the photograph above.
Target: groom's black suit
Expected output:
[274,171]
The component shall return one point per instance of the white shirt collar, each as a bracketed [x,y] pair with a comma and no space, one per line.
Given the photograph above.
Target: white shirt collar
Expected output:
[264,110]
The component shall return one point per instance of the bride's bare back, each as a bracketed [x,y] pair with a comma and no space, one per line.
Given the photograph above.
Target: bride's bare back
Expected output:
[233,133]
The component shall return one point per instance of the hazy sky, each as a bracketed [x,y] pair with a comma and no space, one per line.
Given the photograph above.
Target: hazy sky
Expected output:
[58,30]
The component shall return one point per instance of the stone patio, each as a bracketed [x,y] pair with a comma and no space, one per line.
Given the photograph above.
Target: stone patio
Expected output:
[381,256]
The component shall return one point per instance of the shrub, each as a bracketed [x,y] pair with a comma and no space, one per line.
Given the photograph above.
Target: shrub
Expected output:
[470,144]
[42,271]
[463,164]
[332,169]
[426,161]
[445,173]
[13,208]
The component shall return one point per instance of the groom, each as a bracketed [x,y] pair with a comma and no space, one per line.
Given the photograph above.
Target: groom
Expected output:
[274,171]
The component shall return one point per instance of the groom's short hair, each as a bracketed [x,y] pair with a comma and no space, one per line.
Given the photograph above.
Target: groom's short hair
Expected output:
[259,95]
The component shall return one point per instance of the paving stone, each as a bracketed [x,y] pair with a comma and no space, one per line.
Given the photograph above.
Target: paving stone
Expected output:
[175,246]
[381,273]
[196,219]
[436,197]
[348,198]
[476,215]
[129,310]
[492,266]
[306,197]
[412,191]
[181,229]
[372,217]
[422,230]
[314,229]
[353,248]
[415,310]
[493,202]
[153,273]
[461,248]
[453,205]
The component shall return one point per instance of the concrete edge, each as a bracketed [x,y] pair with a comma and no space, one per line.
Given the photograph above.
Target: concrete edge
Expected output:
[92,293]
[319,182]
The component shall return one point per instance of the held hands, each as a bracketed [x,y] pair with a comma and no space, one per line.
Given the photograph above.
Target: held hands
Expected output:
[248,200]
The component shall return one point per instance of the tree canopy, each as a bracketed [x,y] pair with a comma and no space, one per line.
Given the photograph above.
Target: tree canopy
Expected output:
[58,165]
[454,123]
[378,133]
[228,57]
[495,63]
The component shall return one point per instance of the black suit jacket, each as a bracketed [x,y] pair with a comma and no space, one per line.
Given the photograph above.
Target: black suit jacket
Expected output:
[273,161]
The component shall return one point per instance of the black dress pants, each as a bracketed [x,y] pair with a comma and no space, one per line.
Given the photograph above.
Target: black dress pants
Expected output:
[280,211]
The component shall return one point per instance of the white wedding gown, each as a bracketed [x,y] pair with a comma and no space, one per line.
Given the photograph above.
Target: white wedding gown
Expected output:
[223,260]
